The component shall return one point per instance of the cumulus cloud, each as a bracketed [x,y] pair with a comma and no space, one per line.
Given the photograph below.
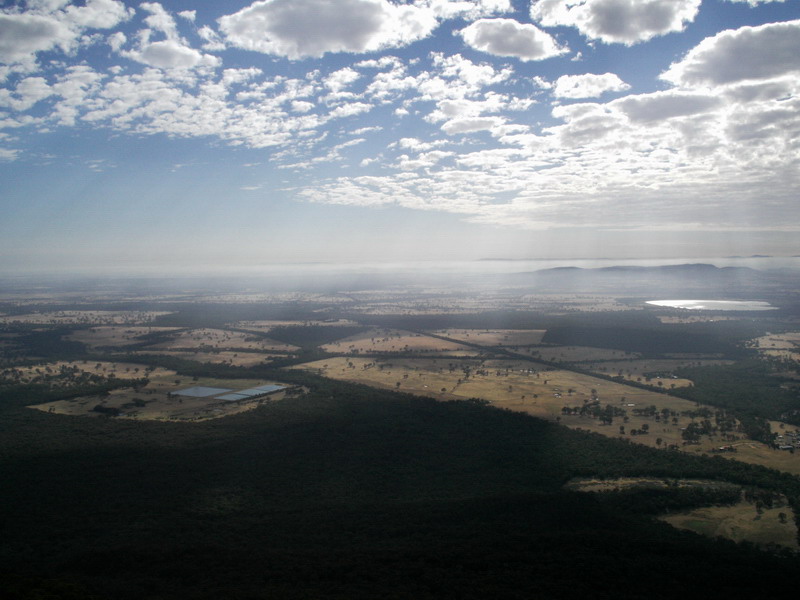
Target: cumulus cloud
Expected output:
[23,35]
[748,53]
[660,106]
[507,37]
[171,54]
[47,27]
[471,124]
[310,28]
[588,85]
[617,21]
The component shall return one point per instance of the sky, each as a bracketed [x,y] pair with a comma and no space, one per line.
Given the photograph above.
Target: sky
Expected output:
[205,134]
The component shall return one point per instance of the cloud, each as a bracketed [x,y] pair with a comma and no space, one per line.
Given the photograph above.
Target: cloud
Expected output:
[171,54]
[660,106]
[507,37]
[617,21]
[748,53]
[588,85]
[471,124]
[24,35]
[311,28]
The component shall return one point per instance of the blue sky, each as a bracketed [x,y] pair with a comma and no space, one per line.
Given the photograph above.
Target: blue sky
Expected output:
[228,134]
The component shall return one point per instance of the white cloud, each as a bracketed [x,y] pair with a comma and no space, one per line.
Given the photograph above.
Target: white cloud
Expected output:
[507,37]
[310,28]
[23,35]
[588,85]
[98,14]
[660,106]
[160,20]
[171,54]
[301,106]
[116,40]
[748,53]
[47,27]
[338,80]
[471,124]
[617,21]
[28,92]
[451,9]
[189,15]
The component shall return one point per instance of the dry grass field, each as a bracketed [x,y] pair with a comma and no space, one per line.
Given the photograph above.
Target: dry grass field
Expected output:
[393,340]
[158,401]
[266,326]
[84,317]
[220,357]
[739,522]
[220,339]
[782,345]
[673,320]
[112,335]
[524,386]
[496,337]
[119,370]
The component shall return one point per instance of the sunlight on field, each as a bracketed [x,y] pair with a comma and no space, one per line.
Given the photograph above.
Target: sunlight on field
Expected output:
[650,418]
[393,340]
[265,326]
[218,357]
[92,317]
[495,337]
[741,522]
[751,519]
[219,339]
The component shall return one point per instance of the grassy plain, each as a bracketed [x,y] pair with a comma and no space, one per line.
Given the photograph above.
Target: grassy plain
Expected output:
[526,387]
[394,340]
[265,326]
[495,337]
[220,339]
[738,522]
[780,345]
[218,357]
[120,370]
[79,317]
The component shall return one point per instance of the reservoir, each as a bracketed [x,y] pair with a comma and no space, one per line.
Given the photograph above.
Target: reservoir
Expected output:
[750,305]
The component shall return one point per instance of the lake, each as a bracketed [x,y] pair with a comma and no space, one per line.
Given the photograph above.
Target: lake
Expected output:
[714,304]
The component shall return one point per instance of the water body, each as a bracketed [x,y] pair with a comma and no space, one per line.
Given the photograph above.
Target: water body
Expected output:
[749,305]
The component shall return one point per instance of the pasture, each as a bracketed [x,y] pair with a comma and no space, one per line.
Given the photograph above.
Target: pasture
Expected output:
[218,357]
[394,340]
[84,317]
[748,520]
[220,339]
[495,337]
[741,522]
[638,415]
